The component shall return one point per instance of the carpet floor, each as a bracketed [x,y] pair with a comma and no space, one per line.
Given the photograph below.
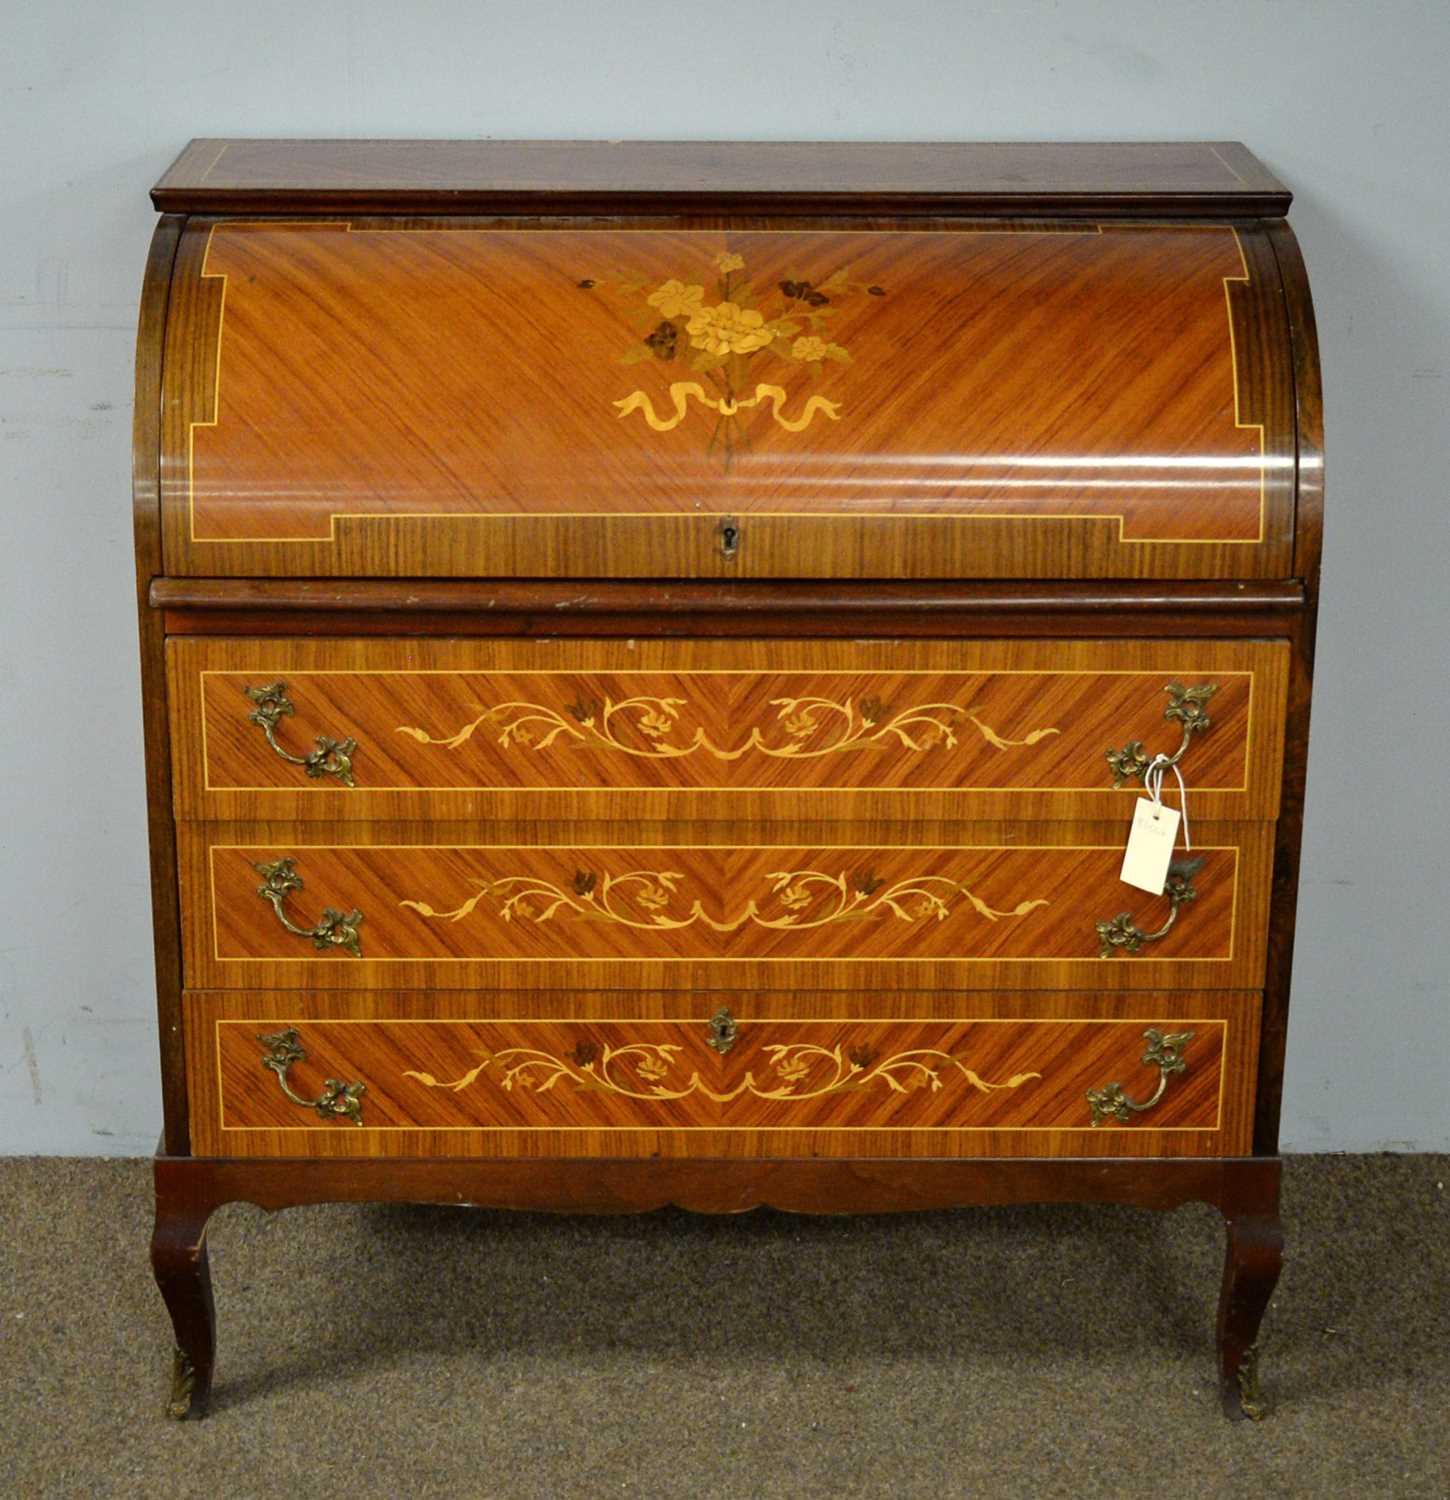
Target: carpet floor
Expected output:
[412,1352]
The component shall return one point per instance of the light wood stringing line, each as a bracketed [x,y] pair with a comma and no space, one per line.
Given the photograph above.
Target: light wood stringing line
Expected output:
[1217,1125]
[1230,957]
[307,786]
[336,516]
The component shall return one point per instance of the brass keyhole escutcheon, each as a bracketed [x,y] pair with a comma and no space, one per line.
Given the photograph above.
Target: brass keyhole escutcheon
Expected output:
[729,537]
[723,1030]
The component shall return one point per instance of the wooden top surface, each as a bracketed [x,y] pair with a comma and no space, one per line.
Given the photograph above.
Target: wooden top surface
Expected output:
[1134,179]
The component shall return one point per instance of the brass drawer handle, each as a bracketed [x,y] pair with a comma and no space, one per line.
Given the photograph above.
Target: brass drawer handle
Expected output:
[1165,1052]
[333,930]
[337,1099]
[330,758]
[1123,932]
[1186,706]
[723,1031]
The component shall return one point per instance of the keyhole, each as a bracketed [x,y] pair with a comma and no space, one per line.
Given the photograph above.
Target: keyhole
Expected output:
[722,1031]
[729,537]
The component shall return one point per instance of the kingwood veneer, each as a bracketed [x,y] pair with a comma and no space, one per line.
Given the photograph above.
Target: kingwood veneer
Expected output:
[650,655]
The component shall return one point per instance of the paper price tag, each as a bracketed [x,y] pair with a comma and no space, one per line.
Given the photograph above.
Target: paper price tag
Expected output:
[1150,846]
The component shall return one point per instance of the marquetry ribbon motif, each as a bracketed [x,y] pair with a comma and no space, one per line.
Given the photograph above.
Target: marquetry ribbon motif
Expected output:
[848,724]
[641,899]
[804,1072]
[741,326]
[682,392]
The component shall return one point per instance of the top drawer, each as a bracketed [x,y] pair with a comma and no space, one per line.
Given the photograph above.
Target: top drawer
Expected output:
[772,731]
[474,397]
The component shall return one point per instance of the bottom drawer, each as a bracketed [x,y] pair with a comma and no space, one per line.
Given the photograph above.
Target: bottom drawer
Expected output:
[753,1075]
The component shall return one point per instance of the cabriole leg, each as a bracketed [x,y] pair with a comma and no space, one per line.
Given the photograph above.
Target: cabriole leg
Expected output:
[1254,1256]
[178,1257]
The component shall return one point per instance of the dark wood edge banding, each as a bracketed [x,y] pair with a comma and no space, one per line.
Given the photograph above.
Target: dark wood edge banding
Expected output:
[1309,404]
[759,178]
[1234,1185]
[764,624]
[606,597]
[231,201]
[1288,834]
[161,830]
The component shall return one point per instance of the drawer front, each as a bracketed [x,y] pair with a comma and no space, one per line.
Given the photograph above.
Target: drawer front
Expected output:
[432,730]
[771,1075]
[1031,906]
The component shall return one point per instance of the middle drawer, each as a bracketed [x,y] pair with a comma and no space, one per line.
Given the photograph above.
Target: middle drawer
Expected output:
[698,907]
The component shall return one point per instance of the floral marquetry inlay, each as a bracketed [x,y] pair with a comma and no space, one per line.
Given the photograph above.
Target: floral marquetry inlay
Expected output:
[647,1070]
[653,900]
[650,727]
[729,336]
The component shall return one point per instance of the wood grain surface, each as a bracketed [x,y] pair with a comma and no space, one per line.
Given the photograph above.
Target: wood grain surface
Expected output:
[800,730]
[932,1074]
[1152,178]
[192,1187]
[945,604]
[447,397]
[704,907]
[572,514]
[1288,831]
[157,742]
[669,610]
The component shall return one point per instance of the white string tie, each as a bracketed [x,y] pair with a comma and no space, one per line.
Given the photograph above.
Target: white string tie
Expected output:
[1153,783]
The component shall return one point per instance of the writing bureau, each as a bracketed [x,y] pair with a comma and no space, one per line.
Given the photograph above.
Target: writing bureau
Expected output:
[650,655]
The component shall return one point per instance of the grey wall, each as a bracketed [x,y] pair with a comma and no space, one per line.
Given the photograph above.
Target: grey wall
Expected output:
[1345,100]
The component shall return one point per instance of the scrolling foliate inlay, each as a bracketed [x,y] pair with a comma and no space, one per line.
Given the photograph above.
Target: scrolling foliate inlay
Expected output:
[785,328]
[648,901]
[812,728]
[641,1070]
